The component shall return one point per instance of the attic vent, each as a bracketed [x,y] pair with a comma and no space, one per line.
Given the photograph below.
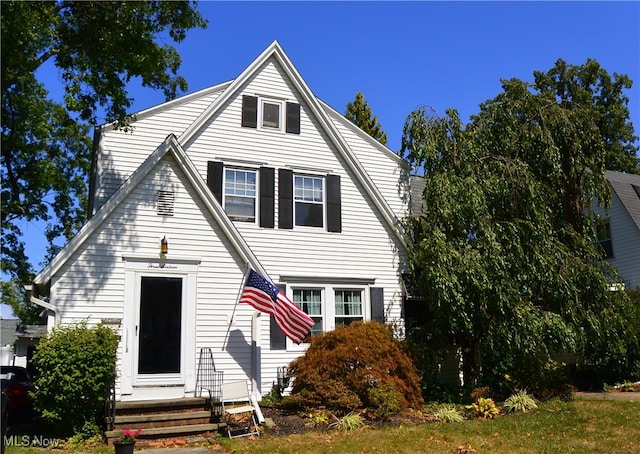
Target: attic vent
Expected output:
[166,201]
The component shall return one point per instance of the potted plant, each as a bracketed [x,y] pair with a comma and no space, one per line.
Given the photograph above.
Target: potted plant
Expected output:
[126,443]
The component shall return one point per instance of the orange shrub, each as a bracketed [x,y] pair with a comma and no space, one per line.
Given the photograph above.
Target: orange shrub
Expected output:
[342,367]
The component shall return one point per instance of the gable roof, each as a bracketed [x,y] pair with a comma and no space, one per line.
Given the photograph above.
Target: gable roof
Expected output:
[275,51]
[627,188]
[8,331]
[169,145]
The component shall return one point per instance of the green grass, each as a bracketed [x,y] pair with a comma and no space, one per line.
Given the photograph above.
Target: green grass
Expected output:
[581,426]
[555,427]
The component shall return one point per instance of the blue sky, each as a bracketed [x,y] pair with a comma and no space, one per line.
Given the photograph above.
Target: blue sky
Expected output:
[402,55]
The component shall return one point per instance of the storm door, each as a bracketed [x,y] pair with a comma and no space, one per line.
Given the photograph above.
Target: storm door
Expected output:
[159,329]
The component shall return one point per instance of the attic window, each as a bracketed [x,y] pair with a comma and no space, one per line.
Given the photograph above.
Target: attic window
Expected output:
[270,114]
[166,201]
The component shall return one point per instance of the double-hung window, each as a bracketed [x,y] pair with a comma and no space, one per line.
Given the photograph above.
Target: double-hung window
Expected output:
[330,307]
[309,201]
[310,302]
[240,194]
[603,232]
[348,306]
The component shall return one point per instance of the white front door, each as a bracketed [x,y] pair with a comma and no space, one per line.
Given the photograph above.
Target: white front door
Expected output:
[159,328]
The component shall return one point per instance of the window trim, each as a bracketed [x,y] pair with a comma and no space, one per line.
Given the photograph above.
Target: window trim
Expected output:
[281,114]
[604,225]
[328,295]
[323,203]
[256,196]
[353,318]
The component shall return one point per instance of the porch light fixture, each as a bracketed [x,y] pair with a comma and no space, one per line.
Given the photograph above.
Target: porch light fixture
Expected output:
[164,245]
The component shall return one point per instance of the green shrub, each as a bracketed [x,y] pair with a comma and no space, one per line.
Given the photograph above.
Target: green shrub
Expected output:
[340,368]
[317,418]
[273,397]
[75,369]
[384,401]
[519,401]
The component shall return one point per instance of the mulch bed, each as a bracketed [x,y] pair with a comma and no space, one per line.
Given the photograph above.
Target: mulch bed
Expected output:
[287,422]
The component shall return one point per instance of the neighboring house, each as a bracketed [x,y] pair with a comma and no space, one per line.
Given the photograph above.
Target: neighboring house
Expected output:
[256,172]
[7,340]
[620,230]
[18,342]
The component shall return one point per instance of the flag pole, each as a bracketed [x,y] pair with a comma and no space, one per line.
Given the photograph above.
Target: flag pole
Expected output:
[233,314]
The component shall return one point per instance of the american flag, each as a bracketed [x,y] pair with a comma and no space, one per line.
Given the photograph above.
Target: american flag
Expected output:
[265,297]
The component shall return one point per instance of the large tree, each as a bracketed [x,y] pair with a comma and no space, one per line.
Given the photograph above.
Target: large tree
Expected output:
[98,48]
[362,116]
[505,252]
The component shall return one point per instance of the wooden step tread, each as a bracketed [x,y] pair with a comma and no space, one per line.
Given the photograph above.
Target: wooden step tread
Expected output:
[137,419]
[162,431]
[159,403]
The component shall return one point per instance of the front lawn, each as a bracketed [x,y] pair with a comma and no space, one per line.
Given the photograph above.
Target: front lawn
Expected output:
[555,427]
[581,426]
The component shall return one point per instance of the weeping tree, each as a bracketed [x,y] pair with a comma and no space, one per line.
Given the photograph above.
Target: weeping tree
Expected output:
[505,252]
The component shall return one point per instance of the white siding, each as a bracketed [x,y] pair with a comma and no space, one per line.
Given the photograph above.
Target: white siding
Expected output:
[121,153]
[383,166]
[625,240]
[92,283]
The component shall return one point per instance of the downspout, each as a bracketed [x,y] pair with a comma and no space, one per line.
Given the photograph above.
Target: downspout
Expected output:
[97,137]
[255,353]
[256,395]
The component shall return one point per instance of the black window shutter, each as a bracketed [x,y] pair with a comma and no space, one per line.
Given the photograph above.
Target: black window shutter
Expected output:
[377,304]
[250,111]
[267,182]
[285,198]
[334,204]
[278,341]
[293,118]
[214,179]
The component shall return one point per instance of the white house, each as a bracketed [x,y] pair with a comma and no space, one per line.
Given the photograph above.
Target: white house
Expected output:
[620,232]
[252,173]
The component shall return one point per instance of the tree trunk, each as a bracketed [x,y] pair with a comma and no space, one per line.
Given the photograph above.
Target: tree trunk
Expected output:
[470,363]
